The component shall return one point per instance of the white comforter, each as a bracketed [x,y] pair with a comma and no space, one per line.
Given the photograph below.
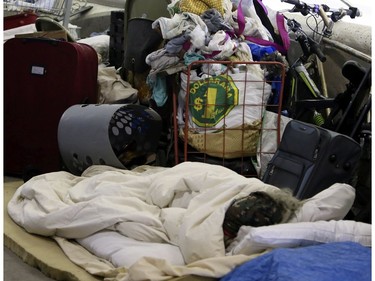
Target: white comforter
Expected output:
[178,209]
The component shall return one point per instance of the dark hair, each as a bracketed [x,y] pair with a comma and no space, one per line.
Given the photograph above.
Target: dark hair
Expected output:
[256,209]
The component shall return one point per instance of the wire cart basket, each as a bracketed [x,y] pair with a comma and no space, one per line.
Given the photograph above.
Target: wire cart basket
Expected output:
[229,113]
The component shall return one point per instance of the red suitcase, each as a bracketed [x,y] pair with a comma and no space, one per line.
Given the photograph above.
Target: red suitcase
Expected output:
[19,20]
[42,78]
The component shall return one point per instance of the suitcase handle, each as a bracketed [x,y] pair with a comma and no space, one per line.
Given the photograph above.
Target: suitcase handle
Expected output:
[51,41]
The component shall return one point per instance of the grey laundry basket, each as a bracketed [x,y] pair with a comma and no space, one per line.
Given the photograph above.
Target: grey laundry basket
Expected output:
[107,134]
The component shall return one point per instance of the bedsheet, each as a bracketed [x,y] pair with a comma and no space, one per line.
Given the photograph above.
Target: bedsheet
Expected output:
[180,208]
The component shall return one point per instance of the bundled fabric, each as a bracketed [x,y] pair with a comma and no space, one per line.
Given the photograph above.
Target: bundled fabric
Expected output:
[112,89]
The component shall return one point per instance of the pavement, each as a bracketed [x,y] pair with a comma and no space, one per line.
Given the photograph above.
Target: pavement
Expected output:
[15,269]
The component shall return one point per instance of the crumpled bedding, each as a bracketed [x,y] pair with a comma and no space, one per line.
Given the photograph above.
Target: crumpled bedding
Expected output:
[180,207]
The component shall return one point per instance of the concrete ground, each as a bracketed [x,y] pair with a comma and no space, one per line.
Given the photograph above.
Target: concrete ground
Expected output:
[15,269]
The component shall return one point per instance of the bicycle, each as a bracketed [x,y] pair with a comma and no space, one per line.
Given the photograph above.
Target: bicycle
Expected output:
[347,112]
[309,101]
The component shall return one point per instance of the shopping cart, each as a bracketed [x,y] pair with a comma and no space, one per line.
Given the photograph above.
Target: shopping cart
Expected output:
[18,13]
[229,113]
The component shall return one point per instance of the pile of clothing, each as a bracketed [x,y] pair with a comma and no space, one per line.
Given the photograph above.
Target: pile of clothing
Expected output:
[216,30]
[213,32]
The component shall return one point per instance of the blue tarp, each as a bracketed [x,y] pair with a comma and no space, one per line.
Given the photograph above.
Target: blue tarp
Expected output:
[341,261]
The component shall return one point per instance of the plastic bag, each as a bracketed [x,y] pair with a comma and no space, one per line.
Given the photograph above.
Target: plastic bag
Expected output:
[112,89]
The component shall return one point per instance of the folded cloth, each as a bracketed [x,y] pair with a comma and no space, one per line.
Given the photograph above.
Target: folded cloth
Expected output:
[215,21]
[178,25]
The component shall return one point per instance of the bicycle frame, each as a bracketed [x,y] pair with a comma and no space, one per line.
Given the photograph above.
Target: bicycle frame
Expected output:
[307,100]
[302,89]
[301,84]
[349,111]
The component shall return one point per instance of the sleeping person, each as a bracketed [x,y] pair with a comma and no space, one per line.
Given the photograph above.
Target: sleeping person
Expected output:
[258,209]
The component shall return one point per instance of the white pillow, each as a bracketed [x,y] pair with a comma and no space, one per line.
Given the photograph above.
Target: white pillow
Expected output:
[251,240]
[123,251]
[332,203]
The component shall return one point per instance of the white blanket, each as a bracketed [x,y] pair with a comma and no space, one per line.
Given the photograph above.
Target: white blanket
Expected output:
[180,208]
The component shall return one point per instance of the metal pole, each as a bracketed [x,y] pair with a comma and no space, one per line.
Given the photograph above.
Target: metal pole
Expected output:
[347,49]
[68,9]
